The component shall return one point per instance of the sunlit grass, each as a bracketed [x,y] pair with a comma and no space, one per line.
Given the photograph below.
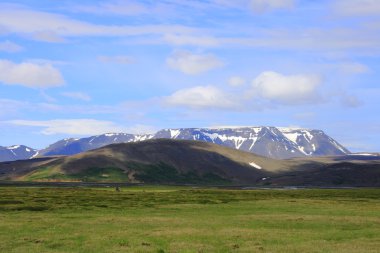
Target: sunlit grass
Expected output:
[180,219]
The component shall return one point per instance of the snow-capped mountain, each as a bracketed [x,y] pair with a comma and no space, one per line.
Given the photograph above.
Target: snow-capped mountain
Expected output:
[16,152]
[274,142]
[267,141]
[313,142]
[73,146]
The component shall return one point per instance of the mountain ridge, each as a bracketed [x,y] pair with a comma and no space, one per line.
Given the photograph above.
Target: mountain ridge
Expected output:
[17,152]
[168,161]
[273,142]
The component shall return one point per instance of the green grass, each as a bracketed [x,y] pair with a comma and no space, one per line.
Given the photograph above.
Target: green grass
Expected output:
[45,173]
[179,219]
[163,173]
[160,173]
[108,174]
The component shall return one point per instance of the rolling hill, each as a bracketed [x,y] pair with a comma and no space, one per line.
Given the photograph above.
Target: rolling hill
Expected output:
[168,161]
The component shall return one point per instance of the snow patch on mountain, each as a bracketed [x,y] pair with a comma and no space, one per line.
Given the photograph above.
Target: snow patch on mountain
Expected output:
[13,147]
[35,155]
[365,154]
[272,142]
[253,164]
[174,133]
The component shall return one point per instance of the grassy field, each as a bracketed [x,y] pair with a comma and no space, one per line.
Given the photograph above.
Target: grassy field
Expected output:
[180,219]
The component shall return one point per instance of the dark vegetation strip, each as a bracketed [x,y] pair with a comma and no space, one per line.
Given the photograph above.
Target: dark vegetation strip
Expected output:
[58,184]
[43,199]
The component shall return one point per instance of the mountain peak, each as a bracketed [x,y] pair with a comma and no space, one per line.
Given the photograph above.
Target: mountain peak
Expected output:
[269,141]
[16,152]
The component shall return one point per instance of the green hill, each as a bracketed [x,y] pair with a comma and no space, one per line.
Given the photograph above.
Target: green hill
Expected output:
[166,161]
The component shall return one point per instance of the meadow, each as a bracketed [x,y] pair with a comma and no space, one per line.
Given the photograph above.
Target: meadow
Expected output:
[187,219]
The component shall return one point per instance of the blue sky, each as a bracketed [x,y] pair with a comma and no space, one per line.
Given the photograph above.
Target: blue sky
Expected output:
[80,68]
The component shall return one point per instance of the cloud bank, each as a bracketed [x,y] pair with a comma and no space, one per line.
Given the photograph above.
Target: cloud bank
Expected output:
[71,126]
[267,89]
[287,89]
[30,74]
[201,97]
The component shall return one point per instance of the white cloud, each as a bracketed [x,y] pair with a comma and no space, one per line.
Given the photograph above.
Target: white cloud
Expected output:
[268,5]
[358,7]
[201,97]
[53,27]
[268,89]
[193,64]
[236,81]
[77,95]
[30,74]
[291,89]
[71,126]
[10,47]
[119,59]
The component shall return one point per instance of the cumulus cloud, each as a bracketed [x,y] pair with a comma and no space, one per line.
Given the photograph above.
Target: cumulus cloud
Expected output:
[193,64]
[119,59]
[30,74]
[71,126]
[201,97]
[77,95]
[267,89]
[10,47]
[236,81]
[268,5]
[287,89]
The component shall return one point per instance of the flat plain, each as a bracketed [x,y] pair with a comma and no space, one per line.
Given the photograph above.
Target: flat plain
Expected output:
[188,219]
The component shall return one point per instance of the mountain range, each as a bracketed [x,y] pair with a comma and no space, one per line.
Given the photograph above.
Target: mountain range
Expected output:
[166,161]
[272,142]
[17,152]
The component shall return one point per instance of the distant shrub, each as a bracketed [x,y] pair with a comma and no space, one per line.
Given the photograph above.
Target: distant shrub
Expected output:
[31,208]
[10,202]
